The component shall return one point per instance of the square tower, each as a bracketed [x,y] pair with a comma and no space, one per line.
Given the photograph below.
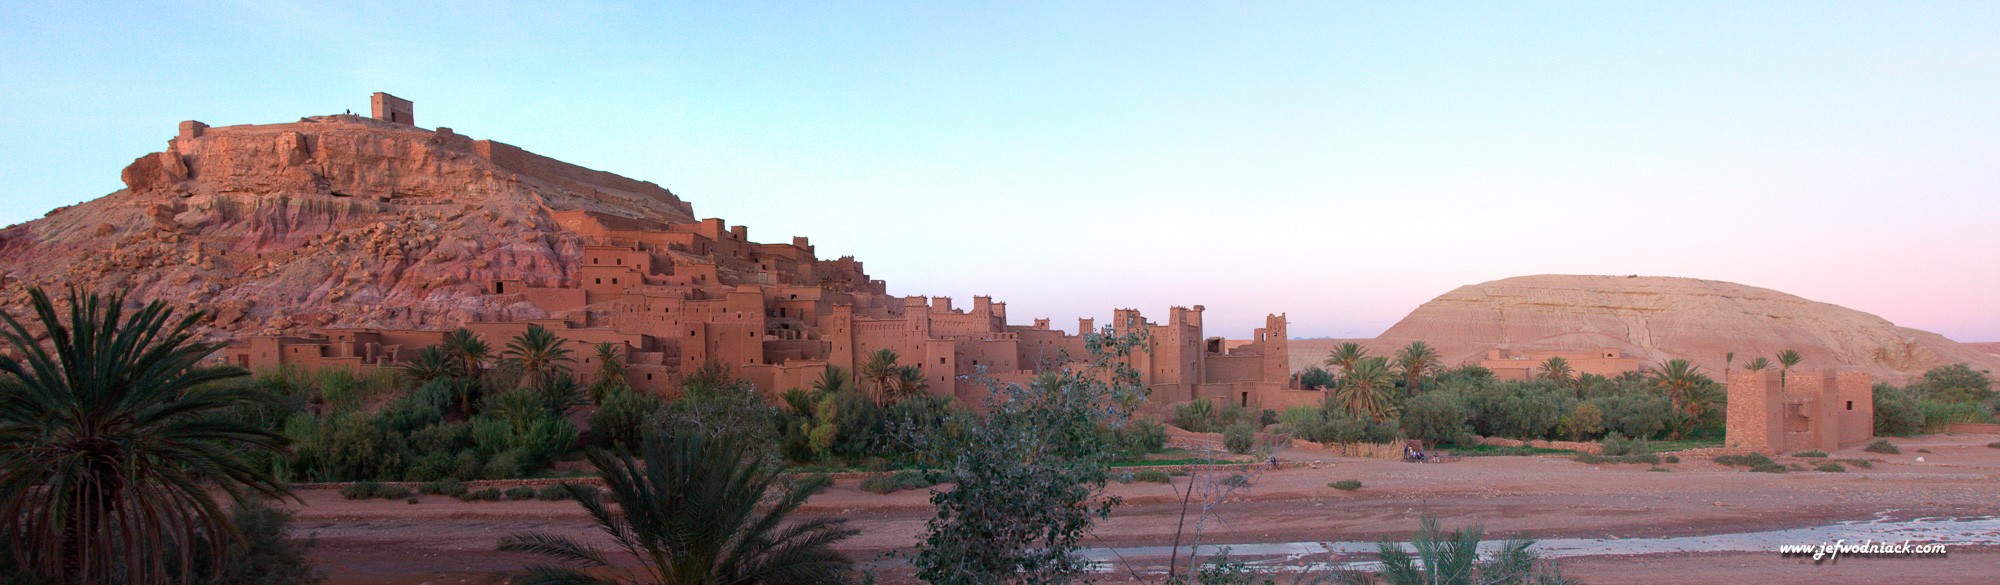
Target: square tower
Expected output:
[389,108]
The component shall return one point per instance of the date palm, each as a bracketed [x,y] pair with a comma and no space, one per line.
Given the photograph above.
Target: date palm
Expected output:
[470,351]
[832,381]
[1437,557]
[1728,359]
[537,354]
[908,383]
[1413,361]
[1556,369]
[1681,381]
[1757,364]
[1367,391]
[115,438]
[881,371]
[1787,359]
[610,370]
[1345,355]
[432,362]
[696,511]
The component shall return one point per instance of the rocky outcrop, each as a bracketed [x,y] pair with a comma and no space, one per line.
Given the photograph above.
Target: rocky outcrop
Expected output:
[1662,318]
[329,221]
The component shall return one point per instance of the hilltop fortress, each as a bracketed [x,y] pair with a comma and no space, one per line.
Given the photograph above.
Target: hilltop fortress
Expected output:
[676,293]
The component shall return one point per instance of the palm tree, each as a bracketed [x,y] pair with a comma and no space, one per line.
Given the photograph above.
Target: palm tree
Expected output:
[537,354]
[909,383]
[1452,558]
[696,511]
[1728,359]
[432,362]
[1680,380]
[1757,364]
[1366,390]
[833,381]
[1414,361]
[1345,355]
[1556,369]
[880,371]
[610,370]
[112,436]
[1786,359]
[469,349]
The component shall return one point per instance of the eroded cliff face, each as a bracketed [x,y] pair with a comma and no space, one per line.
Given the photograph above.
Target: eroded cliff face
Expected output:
[1662,318]
[330,221]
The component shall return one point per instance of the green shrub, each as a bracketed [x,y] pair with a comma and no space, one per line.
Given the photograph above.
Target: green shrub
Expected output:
[1615,445]
[895,482]
[1346,485]
[1939,415]
[1239,438]
[1647,458]
[1814,453]
[265,554]
[1883,446]
[367,490]
[1861,463]
[1267,418]
[1141,437]
[443,487]
[1519,410]
[1582,422]
[1236,480]
[552,493]
[1196,415]
[1639,415]
[1657,468]
[1831,467]
[485,495]
[1995,444]
[1437,418]
[520,492]
[620,421]
[1746,460]
[1897,414]
[1672,459]
[1152,476]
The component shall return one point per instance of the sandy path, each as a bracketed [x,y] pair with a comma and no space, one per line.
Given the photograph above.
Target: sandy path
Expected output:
[445,541]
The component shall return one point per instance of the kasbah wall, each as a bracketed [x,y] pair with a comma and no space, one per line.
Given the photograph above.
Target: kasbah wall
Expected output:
[676,295]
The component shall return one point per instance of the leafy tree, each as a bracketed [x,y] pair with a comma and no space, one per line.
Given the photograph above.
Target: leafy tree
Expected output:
[1413,361]
[470,351]
[537,354]
[1556,369]
[1029,476]
[1368,390]
[1897,413]
[1437,557]
[1436,418]
[697,511]
[113,433]
[1583,422]
[710,376]
[1315,378]
[1955,383]
[1345,355]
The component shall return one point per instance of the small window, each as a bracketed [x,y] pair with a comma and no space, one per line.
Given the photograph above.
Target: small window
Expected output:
[614,281]
[1850,405]
[621,260]
[649,376]
[599,281]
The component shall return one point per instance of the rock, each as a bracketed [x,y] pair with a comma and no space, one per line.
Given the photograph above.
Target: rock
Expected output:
[1661,318]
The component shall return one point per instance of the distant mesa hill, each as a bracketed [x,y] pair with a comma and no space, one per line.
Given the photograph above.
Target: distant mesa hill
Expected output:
[1657,319]
[332,220]
[1991,347]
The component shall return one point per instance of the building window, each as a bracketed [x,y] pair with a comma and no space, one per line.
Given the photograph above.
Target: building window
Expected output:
[1850,405]
[599,281]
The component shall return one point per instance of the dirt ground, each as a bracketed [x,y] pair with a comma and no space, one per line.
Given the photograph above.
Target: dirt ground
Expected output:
[441,540]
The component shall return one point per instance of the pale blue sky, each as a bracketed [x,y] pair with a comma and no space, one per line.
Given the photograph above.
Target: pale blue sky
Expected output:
[1339,162]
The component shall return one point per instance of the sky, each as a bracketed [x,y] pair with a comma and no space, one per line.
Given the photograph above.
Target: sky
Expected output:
[1338,162]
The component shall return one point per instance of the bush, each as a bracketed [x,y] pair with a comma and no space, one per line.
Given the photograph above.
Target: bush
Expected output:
[520,492]
[552,493]
[1672,459]
[1141,437]
[1831,467]
[1639,415]
[1883,446]
[265,555]
[1196,415]
[1236,480]
[485,495]
[1861,463]
[1582,423]
[1748,460]
[1437,418]
[621,420]
[1647,458]
[1897,414]
[1814,453]
[1239,438]
[1615,445]
[1995,444]
[1152,476]
[1939,415]
[367,490]
[895,482]
[1657,468]
[1519,410]
[1346,485]
[443,487]
[1267,418]
[1769,468]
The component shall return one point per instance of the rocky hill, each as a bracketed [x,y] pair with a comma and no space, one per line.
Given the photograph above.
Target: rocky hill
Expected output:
[1661,318]
[334,220]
